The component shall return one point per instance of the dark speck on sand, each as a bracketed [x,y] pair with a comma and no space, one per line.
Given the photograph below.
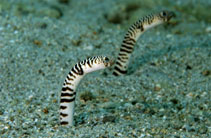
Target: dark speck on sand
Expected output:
[165,95]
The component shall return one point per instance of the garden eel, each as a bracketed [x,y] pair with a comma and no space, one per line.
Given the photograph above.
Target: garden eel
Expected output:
[68,92]
[132,35]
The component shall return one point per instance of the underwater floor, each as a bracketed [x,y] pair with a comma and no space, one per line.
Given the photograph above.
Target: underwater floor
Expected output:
[165,94]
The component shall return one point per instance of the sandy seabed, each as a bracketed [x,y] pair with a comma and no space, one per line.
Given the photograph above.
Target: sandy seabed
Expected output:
[165,94]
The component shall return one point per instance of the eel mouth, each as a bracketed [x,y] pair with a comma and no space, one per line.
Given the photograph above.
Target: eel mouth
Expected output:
[170,15]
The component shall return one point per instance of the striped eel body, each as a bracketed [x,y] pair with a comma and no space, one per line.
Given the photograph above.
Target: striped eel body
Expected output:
[68,92]
[134,32]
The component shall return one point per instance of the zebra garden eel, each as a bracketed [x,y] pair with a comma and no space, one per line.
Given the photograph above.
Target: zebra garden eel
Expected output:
[134,32]
[68,92]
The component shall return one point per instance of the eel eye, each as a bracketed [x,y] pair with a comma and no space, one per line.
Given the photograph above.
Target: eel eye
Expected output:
[106,59]
[163,14]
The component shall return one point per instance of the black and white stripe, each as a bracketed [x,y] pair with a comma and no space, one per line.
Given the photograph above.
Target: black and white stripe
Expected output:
[132,36]
[68,92]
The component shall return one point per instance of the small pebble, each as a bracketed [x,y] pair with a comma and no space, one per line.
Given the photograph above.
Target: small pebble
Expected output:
[157,87]
[208,29]
[86,96]
[206,72]
[108,118]
[37,42]
[45,110]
